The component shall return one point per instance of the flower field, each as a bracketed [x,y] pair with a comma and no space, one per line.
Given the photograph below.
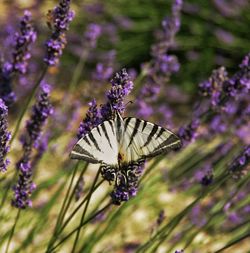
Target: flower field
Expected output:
[125,126]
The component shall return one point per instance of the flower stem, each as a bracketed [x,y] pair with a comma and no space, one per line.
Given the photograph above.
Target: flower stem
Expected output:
[78,70]
[80,226]
[85,210]
[13,230]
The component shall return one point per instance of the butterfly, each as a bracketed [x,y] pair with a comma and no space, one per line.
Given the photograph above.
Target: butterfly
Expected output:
[121,141]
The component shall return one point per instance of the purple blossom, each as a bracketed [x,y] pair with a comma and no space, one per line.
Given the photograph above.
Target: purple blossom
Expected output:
[92,119]
[160,218]
[91,35]
[179,251]
[23,40]
[212,88]
[104,69]
[240,81]
[6,93]
[189,132]
[40,112]
[58,20]
[4,136]
[24,187]
[121,87]
[236,168]
[126,180]
[79,189]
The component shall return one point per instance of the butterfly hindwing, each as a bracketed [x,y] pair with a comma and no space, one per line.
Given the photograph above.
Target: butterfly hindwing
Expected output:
[99,145]
[143,139]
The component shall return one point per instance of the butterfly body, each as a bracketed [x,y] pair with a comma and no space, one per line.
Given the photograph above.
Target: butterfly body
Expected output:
[122,141]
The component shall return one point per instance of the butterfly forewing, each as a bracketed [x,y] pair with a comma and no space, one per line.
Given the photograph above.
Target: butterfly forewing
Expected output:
[143,139]
[99,145]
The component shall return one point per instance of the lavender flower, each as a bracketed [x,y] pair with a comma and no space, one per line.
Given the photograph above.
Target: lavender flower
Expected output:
[91,120]
[23,40]
[212,87]
[79,189]
[179,251]
[121,87]
[240,162]
[239,82]
[24,187]
[189,132]
[4,136]
[91,35]
[126,180]
[20,56]
[40,112]
[58,20]
[6,93]
[104,69]
[160,218]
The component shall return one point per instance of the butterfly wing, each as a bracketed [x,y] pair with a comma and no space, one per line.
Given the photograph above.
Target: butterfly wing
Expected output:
[143,139]
[98,146]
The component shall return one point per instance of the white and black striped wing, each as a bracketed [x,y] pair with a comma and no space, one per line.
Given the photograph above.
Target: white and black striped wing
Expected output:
[98,146]
[143,139]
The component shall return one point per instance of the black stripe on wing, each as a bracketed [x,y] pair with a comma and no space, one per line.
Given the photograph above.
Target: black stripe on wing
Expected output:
[92,138]
[135,131]
[79,153]
[151,135]
[106,133]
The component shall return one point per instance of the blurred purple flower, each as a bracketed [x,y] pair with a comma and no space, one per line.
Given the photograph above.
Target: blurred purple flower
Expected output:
[121,87]
[92,33]
[104,69]
[6,93]
[160,218]
[58,20]
[179,251]
[92,119]
[212,88]
[23,40]
[24,187]
[189,132]
[4,136]
[240,162]
[224,36]
[79,189]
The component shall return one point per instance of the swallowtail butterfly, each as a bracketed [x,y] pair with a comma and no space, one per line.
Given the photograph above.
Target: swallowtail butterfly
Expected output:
[122,141]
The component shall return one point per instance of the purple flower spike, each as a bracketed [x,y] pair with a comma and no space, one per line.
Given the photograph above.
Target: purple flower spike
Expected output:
[58,20]
[24,187]
[236,169]
[4,136]
[121,87]
[91,120]
[24,38]
[40,112]
[126,181]
[6,93]
[91,35]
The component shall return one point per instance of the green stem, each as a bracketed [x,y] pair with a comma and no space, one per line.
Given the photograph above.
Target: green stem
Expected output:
[85,210]
[234,241]
[13,230]
[78,70]
[73,192]
[80,226]
[61,213]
